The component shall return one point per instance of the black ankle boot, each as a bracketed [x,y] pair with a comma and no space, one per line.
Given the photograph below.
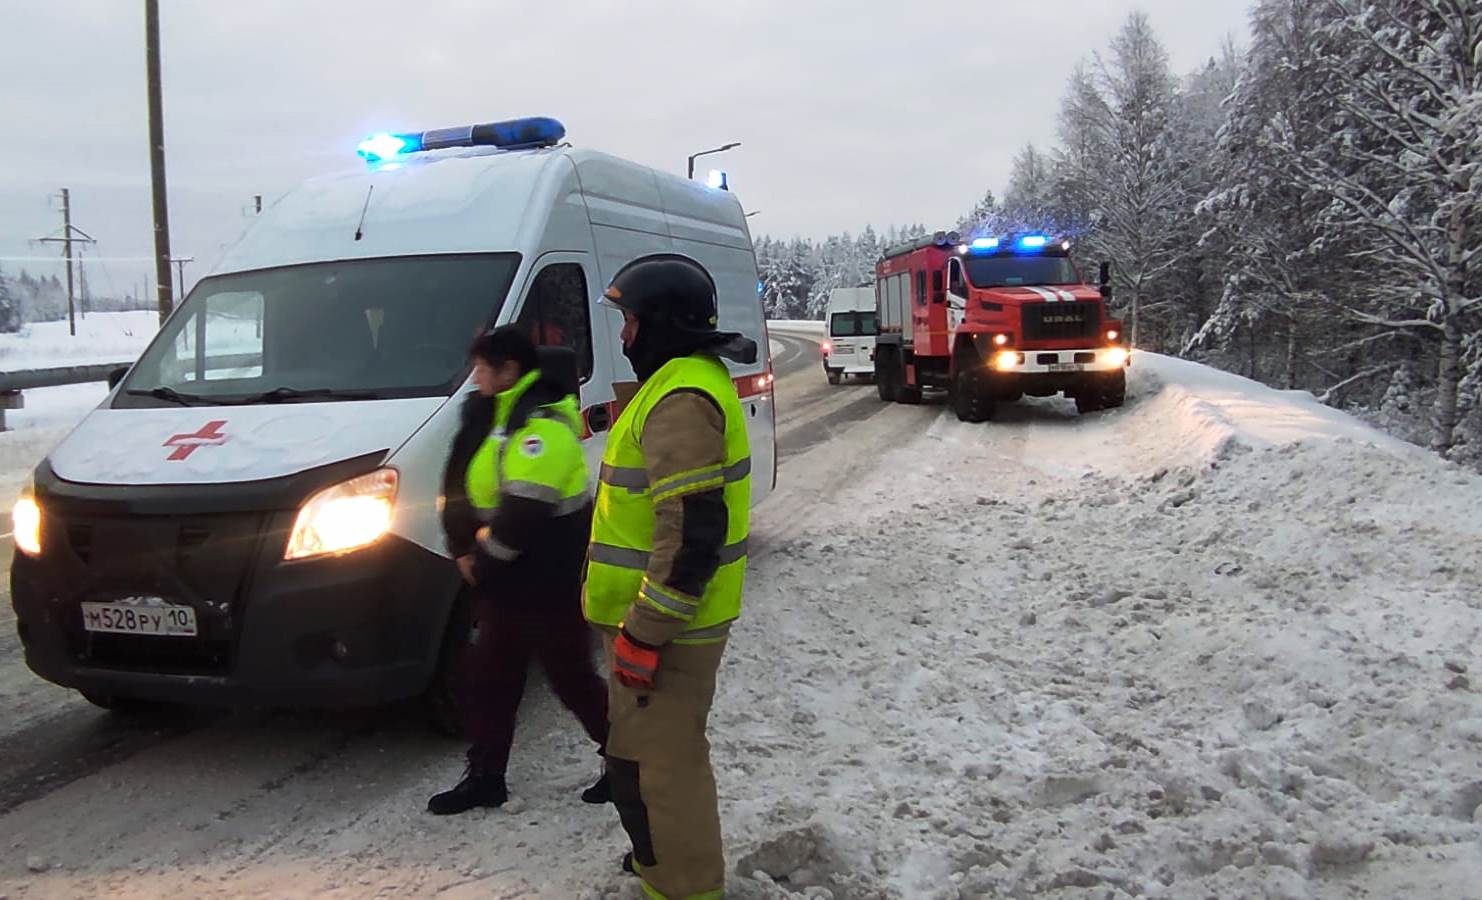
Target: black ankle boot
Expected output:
[599,793]
[476,789]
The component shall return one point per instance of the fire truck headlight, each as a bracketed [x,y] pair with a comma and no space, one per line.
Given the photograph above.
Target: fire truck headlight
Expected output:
[344,518]
[1000,340]
[1006,360]
[1116,356]
[25,520]
[1113,334]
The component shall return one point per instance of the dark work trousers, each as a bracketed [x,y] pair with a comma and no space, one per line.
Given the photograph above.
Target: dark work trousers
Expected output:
[495,664]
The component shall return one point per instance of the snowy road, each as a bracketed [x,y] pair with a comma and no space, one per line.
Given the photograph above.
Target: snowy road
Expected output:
[1155,652]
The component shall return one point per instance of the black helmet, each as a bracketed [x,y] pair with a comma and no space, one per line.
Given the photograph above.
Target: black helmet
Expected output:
[673,298]
[666,287]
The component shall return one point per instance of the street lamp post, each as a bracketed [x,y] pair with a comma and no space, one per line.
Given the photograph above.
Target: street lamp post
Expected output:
[707,153]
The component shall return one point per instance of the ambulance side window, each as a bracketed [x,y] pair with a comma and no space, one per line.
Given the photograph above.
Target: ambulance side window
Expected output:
[556,313]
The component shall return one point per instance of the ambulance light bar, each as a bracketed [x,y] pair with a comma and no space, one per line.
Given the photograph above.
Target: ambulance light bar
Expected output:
[514,134]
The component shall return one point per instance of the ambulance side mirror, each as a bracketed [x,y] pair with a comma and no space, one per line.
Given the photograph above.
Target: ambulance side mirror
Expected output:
[116,376]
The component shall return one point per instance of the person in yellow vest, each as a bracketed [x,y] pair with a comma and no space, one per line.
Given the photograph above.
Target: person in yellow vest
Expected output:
[519,530]
[666,567]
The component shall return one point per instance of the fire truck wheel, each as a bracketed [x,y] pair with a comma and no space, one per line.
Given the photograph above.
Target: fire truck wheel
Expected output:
[1116,390]
[1088,402]
[884,377]
[972,399]
[835,376]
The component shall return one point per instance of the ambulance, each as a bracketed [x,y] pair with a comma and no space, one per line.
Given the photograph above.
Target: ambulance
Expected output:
[251,518]
[851,327]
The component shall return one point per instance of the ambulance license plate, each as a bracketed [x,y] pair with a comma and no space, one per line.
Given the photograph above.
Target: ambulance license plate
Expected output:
[142,615]
[1067,367]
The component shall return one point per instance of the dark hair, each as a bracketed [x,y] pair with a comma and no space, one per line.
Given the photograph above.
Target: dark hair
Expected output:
[503,344]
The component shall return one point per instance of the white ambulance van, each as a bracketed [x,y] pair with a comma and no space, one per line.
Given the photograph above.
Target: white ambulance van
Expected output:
[851,326]
[252,516]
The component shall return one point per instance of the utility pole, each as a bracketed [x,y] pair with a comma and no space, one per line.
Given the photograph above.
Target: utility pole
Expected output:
[180,262]
[66,240]
[164,295]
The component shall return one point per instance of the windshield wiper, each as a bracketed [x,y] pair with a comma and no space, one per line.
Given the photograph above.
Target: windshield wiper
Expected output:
[289,394]
[174,396]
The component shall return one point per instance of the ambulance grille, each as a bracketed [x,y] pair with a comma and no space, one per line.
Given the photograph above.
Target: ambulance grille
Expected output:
[1062,321]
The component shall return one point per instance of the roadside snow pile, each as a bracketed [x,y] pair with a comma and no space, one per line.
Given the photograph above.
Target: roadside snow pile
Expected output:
[808,326]
[101,338]
[1226,664]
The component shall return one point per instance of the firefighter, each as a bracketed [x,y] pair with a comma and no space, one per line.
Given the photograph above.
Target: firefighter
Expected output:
[666,565]
[528,484]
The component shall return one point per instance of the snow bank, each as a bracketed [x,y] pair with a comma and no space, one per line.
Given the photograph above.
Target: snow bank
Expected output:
[101,338]
[807,326]
[1219,643]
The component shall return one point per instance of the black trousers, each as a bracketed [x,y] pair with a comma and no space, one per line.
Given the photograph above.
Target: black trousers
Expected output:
[495,664]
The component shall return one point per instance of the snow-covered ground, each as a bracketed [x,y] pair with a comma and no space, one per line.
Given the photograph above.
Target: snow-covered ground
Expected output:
[1213,644]
[1219,643]
[101,338]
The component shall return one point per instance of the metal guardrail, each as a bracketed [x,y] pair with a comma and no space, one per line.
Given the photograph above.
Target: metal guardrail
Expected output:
[30,379]
[12,383]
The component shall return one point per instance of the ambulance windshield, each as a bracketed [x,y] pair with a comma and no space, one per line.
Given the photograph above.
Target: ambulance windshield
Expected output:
[355,329]
[1011,271]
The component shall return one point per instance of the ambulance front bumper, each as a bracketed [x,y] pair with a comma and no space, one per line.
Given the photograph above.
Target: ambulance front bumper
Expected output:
[357,630]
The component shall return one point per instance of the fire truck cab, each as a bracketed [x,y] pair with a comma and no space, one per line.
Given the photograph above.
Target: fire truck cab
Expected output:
[992,319]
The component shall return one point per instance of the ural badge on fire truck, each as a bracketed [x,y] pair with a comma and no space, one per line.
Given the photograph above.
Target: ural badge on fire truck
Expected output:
[992,320]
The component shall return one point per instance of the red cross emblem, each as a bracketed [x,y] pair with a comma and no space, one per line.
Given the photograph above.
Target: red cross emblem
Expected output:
[210,435]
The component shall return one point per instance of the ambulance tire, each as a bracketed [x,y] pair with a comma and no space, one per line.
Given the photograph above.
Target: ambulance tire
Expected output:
[835,376]
[972,399]
[130,707]
[444,712]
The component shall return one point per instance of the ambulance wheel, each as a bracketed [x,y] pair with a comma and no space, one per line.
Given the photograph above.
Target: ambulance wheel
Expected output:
[835,376]
[972,400]
[444,712]
[132,707]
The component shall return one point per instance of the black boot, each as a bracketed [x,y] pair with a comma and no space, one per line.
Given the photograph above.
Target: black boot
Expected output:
[599,793]
[476,789]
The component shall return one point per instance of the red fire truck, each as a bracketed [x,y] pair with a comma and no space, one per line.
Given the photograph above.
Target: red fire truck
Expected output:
[992,319]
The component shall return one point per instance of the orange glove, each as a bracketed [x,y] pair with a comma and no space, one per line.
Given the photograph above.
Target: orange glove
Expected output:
[634,663]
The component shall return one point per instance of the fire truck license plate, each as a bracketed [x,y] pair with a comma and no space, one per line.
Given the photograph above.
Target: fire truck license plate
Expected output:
[1067,367]
[149,616]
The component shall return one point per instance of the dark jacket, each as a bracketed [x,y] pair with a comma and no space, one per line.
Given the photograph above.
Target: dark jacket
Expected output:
[460,522]
[551,548]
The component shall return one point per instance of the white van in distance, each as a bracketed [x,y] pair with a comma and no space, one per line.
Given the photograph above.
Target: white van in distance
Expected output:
[851,328]
[252,516]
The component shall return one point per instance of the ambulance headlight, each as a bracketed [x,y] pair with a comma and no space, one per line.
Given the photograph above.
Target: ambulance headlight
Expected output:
[344,518]
[25,522]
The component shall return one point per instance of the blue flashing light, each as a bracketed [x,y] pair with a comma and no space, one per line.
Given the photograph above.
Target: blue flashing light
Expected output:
[1033,242]
[514,134]
[985,243]
[718,180]
[383,146]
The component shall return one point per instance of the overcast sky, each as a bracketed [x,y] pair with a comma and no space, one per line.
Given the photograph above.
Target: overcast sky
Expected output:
[849,113]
